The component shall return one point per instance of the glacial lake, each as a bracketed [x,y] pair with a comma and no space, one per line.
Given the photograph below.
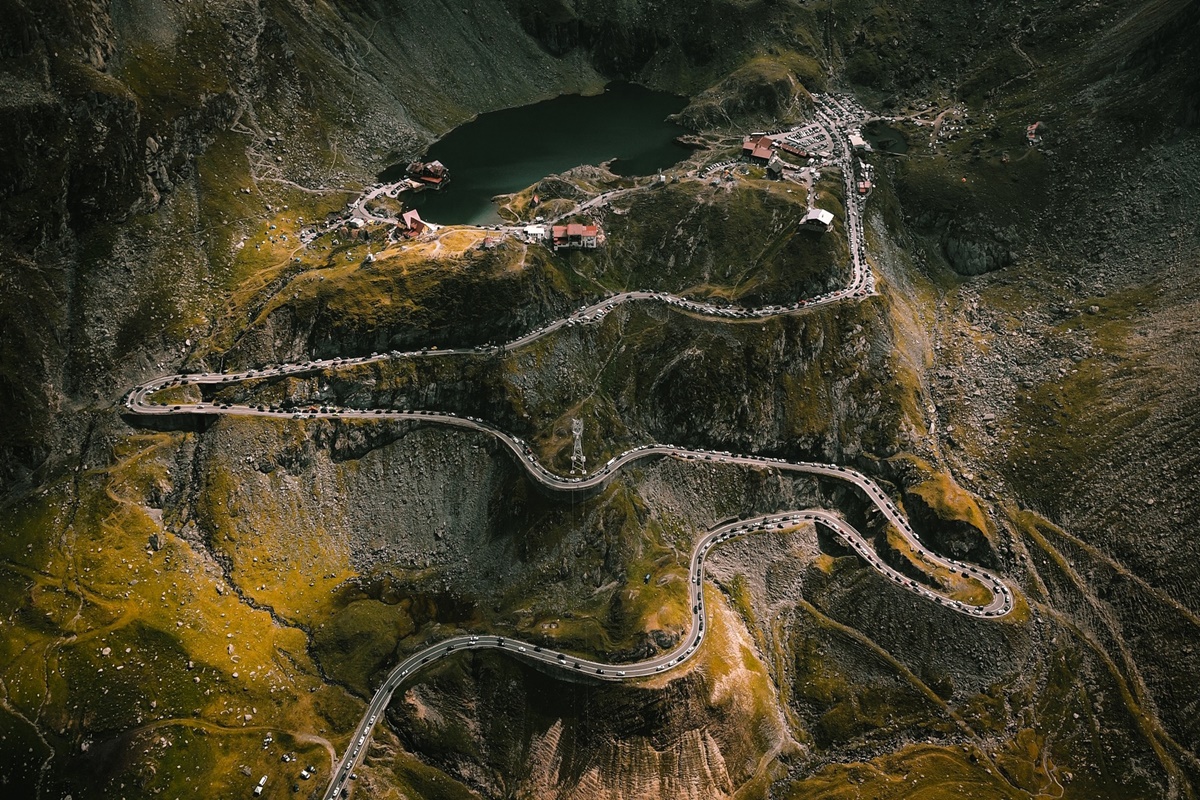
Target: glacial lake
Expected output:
[504,151]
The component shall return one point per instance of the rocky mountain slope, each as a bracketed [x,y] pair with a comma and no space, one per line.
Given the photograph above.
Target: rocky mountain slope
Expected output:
[1025,385]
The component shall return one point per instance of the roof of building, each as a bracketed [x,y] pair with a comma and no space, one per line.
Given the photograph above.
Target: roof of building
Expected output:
[758,145]
[590,230]
[818,215]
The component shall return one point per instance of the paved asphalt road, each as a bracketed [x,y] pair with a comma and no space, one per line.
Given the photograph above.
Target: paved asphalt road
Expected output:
[836,119]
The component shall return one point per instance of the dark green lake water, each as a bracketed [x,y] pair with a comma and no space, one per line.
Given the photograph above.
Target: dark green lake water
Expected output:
[505,151]
[885,138]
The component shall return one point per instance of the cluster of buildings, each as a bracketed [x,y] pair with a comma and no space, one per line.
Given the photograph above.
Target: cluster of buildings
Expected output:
[356,229]
[428,174]
[758,148]
[762,149]
[809,142]
[575,236]
[866,176]
[572,236]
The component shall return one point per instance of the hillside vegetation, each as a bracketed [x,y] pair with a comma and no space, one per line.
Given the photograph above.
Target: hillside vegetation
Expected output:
[1023,385]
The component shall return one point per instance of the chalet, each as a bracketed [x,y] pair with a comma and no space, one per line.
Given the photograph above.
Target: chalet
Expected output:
[758,148]
[575,236]
[432,174]
[858,143]
[413,224]
[817,219]
[1031,134]
[775,167]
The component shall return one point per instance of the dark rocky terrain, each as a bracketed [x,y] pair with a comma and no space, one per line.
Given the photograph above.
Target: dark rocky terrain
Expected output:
[1025,384]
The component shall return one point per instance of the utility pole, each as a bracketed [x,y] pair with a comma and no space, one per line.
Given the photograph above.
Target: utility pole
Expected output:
[578,459]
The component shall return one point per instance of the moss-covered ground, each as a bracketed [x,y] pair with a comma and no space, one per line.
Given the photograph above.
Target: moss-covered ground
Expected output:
[158,637]
[130,645]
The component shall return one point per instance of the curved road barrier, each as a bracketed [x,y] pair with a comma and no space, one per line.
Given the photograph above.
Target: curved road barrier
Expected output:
[834,117]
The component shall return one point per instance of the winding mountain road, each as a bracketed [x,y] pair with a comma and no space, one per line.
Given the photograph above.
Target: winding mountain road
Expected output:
[836,118]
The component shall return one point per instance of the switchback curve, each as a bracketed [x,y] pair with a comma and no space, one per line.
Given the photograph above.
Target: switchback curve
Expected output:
[832,114]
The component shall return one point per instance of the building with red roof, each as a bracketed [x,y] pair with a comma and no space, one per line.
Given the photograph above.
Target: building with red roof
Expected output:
[575,236]
[432,174]
[413,222]
[796,151]
[758,148]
